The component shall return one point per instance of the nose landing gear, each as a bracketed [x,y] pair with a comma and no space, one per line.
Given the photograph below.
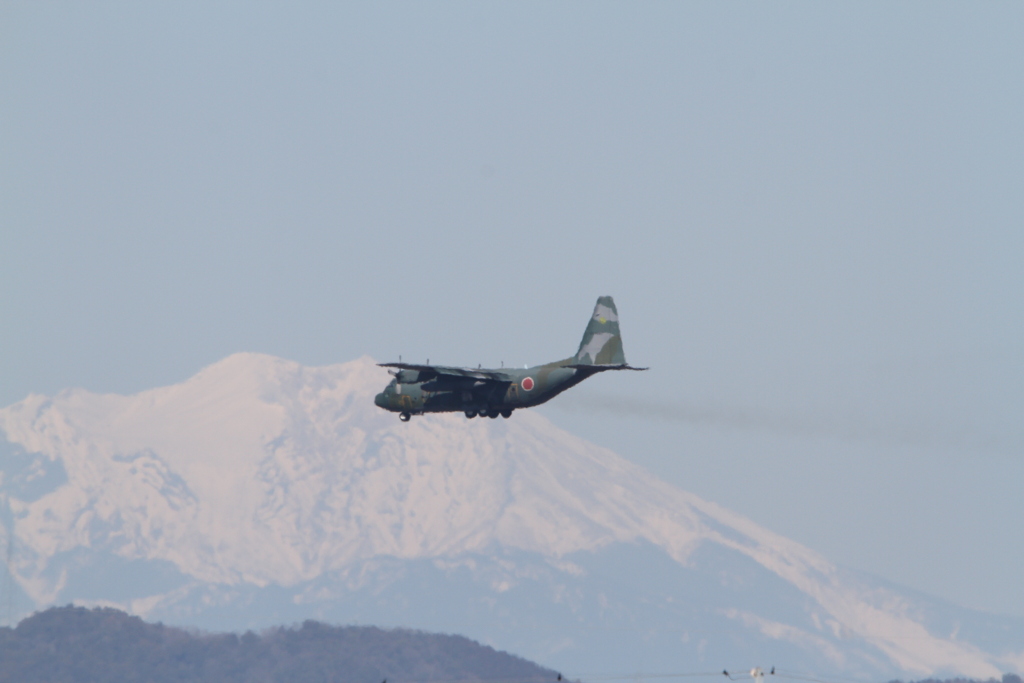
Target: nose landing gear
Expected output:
[404,417]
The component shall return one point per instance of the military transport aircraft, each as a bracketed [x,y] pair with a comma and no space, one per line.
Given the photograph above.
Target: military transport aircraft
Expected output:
[418,389]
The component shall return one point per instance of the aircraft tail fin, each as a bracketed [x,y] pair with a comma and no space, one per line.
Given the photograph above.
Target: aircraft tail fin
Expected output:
[602,343]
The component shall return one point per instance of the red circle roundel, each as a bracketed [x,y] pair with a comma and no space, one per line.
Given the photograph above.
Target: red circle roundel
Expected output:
[527,384]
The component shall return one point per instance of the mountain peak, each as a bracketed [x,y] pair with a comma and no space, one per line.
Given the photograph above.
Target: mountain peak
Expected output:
[260,472]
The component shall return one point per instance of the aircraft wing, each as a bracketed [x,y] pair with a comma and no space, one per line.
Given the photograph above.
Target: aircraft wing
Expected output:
[600,368]
[444,370]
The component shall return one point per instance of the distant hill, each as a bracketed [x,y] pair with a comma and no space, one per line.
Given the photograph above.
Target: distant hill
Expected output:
[103,644]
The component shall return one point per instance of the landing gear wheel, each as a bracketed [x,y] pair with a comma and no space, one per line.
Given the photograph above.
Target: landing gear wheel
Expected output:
[492,413]
[470,414]
[404,417]
[507,413]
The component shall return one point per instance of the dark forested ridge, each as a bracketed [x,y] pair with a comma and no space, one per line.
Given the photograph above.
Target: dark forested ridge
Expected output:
[102,644]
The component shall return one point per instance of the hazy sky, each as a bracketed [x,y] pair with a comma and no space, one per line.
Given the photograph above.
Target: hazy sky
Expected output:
[811,217]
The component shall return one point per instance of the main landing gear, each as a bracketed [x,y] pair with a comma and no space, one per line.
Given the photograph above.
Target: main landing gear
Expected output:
[471,413]
[490,412]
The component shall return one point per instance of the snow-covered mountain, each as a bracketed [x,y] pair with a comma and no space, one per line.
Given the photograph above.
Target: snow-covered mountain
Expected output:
[261,491]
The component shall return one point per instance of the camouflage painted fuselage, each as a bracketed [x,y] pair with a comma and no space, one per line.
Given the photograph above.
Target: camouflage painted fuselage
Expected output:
[425,392]
[419,389]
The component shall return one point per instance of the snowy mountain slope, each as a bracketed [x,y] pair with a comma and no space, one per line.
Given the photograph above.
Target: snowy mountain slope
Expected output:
[260,484]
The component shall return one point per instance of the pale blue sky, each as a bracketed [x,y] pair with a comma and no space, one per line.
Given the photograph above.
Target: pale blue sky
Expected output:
[811,217]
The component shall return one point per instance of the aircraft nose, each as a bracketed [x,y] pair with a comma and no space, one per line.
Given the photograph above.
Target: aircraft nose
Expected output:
[381,400]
